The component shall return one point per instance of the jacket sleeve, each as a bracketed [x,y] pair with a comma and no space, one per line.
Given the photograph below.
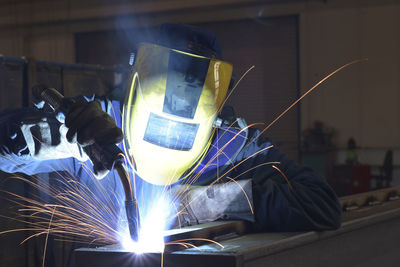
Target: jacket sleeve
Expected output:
[31,142]
[303,202]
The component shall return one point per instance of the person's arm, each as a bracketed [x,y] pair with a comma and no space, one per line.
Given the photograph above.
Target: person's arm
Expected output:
[304,202]
[32,142]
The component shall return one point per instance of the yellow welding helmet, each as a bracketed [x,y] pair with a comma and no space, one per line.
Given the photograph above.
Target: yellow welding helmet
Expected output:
[170,109]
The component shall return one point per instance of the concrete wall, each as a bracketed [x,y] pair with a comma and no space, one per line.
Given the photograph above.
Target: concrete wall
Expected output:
[363,100]
[58,47]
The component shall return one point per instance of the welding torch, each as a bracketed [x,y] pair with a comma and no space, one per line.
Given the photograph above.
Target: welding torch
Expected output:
[109,156]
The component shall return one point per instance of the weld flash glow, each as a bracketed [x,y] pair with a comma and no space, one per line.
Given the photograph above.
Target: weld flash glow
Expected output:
[153,226]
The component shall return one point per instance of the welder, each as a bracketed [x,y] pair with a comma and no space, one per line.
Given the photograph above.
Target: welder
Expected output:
[178,133]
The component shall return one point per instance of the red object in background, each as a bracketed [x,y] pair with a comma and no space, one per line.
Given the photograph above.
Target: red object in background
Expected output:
[361,177]
[350,179]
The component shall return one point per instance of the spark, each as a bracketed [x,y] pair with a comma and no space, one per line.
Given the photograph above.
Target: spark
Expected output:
[310,90]
[261,132]
[94,215]
[47,237]
[244,193]
[285,177]
[78,212]
[183,241]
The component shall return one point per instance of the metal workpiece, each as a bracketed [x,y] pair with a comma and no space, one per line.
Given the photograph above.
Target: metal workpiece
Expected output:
[199,234]
[175,255]
[368,237]
[103,257]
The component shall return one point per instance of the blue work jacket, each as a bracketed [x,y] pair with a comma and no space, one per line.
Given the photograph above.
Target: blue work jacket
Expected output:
[302,202]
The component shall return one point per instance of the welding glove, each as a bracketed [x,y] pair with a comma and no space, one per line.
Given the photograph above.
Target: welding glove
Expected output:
[87,123]
[47,137]
[224,201]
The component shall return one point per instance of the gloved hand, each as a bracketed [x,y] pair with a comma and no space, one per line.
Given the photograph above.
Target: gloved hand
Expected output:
[87,123]
[225,201]
[91,124]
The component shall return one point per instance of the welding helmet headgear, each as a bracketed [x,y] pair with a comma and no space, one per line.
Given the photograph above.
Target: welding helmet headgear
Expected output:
[170,108]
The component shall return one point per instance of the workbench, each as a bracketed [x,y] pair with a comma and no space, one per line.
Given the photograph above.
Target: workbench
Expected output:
[369,236]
